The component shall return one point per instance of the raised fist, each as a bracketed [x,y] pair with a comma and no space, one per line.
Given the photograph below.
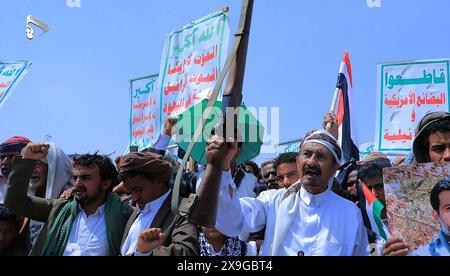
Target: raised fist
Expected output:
[35,151]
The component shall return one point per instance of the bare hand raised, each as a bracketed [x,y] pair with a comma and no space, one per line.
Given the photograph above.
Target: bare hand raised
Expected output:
[220,153]
[169,123]
[35,151]
[330,124]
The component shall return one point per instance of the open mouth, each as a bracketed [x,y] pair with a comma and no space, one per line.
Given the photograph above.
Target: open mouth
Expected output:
[312,173]
[80,190]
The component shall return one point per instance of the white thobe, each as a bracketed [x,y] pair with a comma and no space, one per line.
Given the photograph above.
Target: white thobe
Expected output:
[245,189]
[306,224]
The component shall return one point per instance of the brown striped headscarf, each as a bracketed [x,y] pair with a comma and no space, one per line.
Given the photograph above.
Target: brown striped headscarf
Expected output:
[144,162]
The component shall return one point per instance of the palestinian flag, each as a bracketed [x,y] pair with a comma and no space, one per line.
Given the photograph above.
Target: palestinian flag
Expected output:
[371,208]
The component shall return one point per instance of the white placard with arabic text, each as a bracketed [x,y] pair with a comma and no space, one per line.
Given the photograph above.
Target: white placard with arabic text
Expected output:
[192,61]
[406,92]
[11,73]
[145,122]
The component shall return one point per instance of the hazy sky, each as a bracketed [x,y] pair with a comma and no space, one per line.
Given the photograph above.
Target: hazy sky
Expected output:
[77,89]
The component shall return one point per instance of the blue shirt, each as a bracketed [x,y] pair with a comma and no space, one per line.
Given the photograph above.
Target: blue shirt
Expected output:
[439,247]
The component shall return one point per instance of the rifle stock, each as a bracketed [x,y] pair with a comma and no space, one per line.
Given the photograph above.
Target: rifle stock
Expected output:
[203,207]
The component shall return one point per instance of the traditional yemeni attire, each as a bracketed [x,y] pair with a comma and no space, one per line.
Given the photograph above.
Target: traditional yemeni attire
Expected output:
[59,174]
[65,224]
[297,222]
[12,145]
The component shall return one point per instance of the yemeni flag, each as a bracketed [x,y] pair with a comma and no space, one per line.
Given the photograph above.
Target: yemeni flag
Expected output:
[371,208]
[346,120]
[346,115]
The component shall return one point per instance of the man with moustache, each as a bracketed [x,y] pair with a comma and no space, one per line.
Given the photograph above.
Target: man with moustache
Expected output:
[91,224]
[8,150]
[440,201]
[305,219]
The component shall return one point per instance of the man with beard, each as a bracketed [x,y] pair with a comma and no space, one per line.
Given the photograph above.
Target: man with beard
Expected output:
[8,150]
[305,219]
[440,201]
[91,224]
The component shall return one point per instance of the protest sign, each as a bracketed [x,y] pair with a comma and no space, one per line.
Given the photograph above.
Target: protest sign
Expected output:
[192,61]
[407,190]
[11,73]
[406,92]
[145,122]
[292,146]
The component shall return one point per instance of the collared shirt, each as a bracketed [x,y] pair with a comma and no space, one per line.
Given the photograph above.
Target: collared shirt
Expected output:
[143,221]
[88,235]
[324,224]
[439,247]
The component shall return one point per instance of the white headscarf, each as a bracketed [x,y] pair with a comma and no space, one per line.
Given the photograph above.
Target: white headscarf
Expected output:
[324,138]
[59,171]
[59,174]
[289,206]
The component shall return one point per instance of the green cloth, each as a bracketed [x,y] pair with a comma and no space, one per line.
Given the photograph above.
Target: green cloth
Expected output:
[116,216]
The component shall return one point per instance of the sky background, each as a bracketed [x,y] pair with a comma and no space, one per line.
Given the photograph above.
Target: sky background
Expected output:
[77,89]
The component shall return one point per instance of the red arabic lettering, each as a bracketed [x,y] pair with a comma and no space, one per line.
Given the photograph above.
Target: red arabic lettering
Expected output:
[173,107]
[203,59]
[398,137]
[144,105]
[198,79]
[138,133]
[411,99]
[5,84]
[150,130]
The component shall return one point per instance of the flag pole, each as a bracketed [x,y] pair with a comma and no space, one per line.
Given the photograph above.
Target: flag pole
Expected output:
[335,97]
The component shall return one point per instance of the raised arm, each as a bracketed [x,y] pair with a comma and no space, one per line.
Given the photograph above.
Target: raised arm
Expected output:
[17,199]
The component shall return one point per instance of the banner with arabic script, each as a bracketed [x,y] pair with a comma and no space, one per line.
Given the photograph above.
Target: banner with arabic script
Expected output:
[145,122]
[11,73]
[406,93]
[292,146]
[192,61]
